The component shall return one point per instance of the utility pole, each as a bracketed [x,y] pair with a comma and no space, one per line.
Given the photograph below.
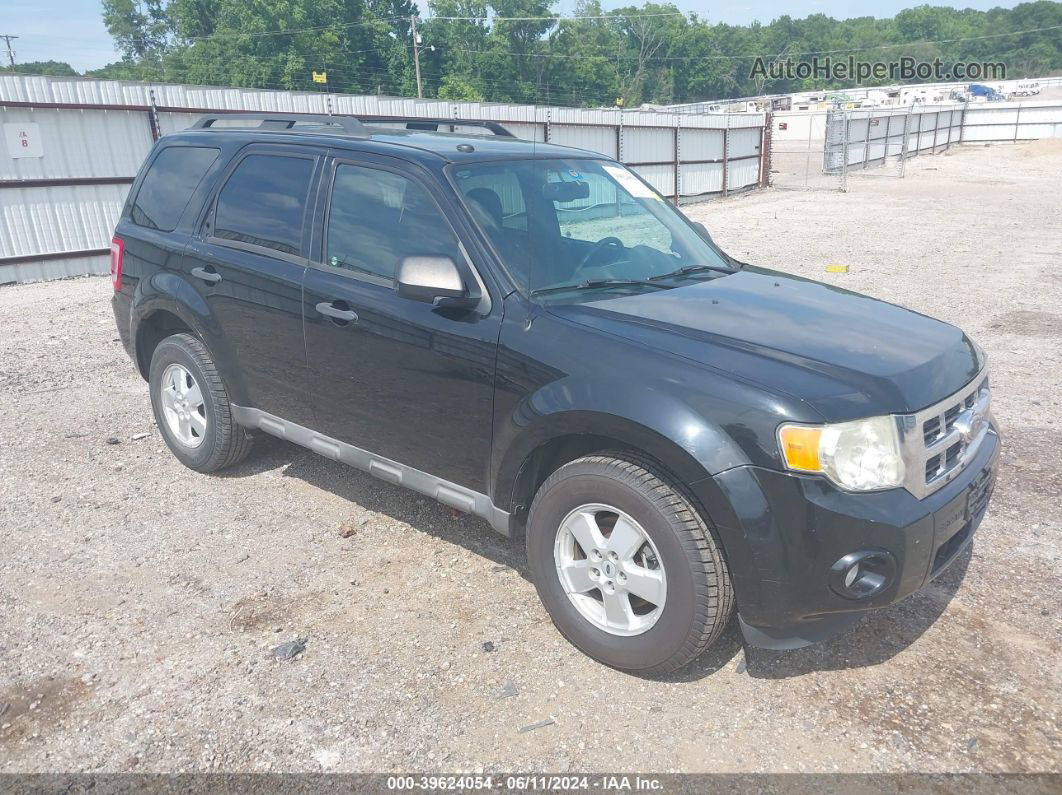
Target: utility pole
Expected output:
[416,54]
[10,53]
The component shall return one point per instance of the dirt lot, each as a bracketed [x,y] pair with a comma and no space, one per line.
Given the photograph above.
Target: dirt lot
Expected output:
[140,600]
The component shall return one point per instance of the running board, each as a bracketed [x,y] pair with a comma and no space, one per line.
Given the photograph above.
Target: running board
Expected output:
[383,468]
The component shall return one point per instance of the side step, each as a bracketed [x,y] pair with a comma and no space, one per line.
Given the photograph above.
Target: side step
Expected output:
[383,468]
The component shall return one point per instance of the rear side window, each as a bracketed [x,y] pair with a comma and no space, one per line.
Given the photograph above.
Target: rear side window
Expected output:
[263,202]
[168,185]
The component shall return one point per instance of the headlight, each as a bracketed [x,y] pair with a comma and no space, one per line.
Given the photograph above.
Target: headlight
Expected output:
[863,455]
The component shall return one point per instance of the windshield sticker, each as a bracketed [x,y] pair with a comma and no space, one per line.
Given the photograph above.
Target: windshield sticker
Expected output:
[630,183]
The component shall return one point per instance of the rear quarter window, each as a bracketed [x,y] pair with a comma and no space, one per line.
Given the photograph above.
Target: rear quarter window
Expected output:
[168,185]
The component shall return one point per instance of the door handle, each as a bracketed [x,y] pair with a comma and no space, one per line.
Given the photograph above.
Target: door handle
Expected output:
[208,276]
[331,310]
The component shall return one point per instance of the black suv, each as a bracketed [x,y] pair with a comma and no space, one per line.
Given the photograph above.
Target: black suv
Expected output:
[532,334]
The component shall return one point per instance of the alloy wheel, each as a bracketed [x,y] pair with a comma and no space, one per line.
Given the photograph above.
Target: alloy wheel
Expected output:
[610,569]
[183,406]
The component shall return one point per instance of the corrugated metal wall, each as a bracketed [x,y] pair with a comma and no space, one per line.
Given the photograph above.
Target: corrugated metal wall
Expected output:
[58,210]
[870,136]
[855,94]
[1012,121]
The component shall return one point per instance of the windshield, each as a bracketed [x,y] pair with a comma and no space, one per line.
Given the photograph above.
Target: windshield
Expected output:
[568,229]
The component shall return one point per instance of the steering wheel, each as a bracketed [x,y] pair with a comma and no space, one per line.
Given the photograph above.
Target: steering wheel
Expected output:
[601,245]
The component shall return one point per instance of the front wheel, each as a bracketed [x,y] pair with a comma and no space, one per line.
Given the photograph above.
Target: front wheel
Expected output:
[625,565]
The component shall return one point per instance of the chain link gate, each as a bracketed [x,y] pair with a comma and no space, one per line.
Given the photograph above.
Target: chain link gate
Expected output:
[798,160]
[835,147]
[877,142]
[823,150]
[867,142]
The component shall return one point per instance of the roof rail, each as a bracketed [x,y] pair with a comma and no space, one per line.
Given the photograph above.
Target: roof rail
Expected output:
[282,121]
[432,124]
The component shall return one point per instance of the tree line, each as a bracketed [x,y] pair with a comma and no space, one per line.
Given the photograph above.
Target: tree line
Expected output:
[520,51]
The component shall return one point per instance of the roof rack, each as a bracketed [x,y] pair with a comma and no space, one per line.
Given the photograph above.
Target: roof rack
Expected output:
[285,122]
[432,124]
[281,121]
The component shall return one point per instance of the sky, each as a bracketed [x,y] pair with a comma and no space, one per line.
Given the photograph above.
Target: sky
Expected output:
[73,31]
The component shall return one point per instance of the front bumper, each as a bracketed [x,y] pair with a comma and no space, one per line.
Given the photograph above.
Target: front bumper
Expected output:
[783,532]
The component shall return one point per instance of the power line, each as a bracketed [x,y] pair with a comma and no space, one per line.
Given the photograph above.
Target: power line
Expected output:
[568,56]
[718,56]
[512,86]
[260,34]
[733,56]
[557,18]
[373,20]
[765,55]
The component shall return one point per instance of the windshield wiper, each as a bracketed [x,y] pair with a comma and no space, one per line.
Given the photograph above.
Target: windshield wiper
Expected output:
[687,269]
[593,284]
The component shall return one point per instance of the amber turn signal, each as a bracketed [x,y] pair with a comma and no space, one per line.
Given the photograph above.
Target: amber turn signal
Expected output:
[800,447]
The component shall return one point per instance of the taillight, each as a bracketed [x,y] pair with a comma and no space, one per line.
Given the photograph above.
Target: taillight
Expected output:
[117,255]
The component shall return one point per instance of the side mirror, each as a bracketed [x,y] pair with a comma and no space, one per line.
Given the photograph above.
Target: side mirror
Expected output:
[436,281]
[703,230]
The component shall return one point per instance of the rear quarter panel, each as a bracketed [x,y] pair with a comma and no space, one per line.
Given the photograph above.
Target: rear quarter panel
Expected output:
[153,278]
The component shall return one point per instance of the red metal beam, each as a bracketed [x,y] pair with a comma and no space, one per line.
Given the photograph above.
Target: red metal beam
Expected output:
[88,252]
[64,182]
[9,103]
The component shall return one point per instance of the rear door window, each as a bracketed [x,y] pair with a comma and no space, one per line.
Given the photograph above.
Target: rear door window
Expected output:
[169,184]
[264,201]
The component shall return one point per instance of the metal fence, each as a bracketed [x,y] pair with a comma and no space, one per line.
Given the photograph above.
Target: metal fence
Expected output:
[820,149]
[73,146]
[995,122]
[859,139]
[814,100]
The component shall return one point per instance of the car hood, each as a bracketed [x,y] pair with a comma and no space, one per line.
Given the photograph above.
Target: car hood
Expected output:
[845,354]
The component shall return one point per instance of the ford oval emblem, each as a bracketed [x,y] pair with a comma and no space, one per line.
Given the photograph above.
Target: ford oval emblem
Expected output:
[969,424]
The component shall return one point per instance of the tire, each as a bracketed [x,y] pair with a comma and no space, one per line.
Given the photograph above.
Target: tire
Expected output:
[207,439]
[694,586]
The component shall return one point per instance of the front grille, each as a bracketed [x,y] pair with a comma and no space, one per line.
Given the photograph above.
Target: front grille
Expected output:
[930,430]
[941,439]
[939,425]
[950,416]
[944,462]
[944,445]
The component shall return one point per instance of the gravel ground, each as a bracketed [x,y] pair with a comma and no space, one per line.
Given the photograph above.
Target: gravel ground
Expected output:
[140,600]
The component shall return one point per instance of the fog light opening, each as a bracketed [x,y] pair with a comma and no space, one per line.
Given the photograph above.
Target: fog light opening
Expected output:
[861,575]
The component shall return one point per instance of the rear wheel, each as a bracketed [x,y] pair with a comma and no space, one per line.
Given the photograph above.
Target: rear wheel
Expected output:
[191,406]
[626,567]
